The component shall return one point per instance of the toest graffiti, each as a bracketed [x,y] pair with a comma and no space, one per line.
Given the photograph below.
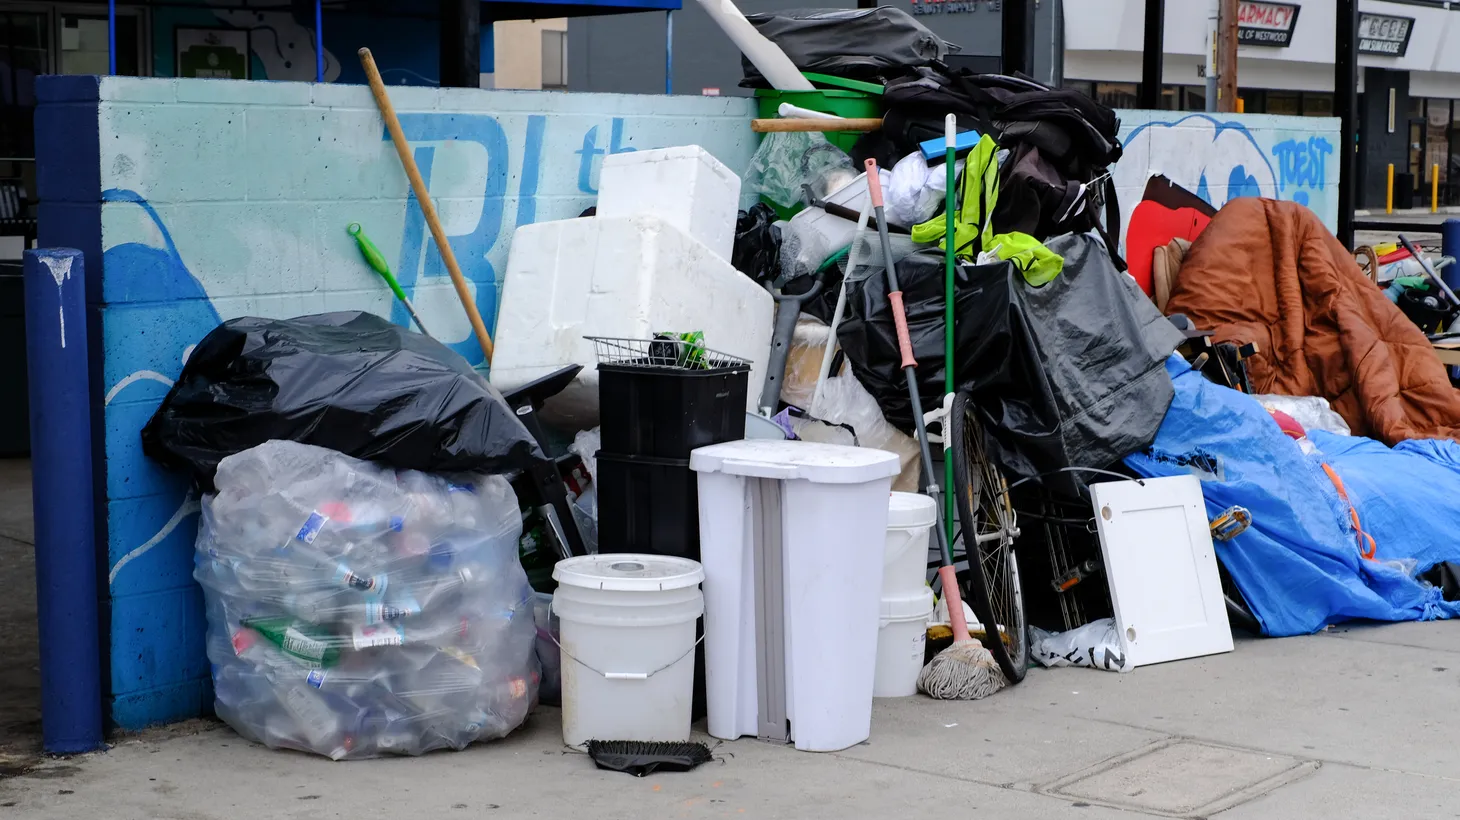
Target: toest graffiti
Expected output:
[1221,160]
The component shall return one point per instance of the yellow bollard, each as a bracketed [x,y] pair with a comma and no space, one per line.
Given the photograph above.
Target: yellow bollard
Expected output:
[1435,188]
[1389,191]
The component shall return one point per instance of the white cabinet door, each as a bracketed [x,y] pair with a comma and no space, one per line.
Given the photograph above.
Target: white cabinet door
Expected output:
[1161,568]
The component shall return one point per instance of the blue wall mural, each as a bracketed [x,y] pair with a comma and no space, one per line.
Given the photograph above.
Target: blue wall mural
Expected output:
[220,199]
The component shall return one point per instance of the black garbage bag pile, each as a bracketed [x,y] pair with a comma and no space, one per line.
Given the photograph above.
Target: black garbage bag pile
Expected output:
[1070,374]
[348,381]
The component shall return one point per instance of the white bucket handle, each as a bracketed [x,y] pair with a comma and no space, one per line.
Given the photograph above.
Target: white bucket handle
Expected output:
[623,675]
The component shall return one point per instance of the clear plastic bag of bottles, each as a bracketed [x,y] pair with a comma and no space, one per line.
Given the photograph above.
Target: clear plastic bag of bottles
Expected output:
[355,610]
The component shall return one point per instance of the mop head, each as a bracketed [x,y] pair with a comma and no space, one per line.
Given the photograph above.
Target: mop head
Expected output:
[963,671]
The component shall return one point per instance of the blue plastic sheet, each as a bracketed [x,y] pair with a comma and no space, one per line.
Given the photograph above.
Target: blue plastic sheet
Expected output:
[1299,565]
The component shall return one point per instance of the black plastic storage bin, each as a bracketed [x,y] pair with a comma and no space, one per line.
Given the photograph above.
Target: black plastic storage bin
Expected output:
[648,505]
[666,412]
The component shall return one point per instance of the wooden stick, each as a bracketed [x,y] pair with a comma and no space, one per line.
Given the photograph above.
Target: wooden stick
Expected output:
[408,162]
[769,126]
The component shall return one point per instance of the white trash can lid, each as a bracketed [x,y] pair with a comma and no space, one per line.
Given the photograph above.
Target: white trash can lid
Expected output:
[806,460]
[911,510]
[628,572]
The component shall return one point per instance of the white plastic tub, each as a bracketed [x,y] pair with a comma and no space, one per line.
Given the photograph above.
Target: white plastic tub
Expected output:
[627,630]
[910,520]
[902,637]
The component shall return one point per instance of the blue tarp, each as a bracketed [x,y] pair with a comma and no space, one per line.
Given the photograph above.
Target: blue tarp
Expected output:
[1299,565]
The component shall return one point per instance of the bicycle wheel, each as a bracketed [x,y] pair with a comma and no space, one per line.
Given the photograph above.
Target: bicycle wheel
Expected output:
[987,522]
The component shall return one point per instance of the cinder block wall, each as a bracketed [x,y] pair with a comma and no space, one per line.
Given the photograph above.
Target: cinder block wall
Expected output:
[202,200]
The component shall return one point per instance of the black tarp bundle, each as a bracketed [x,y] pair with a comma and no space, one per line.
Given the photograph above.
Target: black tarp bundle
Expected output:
[857,44]
[1071,374]
[349,381]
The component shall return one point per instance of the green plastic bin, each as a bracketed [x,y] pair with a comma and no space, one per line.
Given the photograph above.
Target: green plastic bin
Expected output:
[849,104]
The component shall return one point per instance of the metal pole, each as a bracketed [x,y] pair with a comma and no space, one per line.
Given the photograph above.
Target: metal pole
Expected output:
[669,51]
[1153,55]
[1211,69]
[461,43]
[319,41]
[1017,36]
[111,37]
[65,543]
[1345,107]
[1227,57]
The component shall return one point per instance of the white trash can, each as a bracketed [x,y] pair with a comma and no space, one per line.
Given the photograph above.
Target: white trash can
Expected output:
[910,520]
[627,631]
[792,537]
[902,638]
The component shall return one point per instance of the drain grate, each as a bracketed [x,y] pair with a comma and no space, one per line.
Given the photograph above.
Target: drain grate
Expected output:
[1182,778]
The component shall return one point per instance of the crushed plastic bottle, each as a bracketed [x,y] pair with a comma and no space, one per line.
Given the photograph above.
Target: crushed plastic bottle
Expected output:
[356,611]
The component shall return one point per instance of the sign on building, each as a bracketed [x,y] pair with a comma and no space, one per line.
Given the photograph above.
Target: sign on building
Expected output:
[1384,34]
[1266,24]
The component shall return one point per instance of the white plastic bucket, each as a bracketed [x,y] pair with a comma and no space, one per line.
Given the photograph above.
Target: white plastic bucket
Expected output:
[627,631]
[902,636]
[910,520]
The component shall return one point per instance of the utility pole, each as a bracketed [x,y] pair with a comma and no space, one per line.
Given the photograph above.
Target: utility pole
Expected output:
[1345,107]
[1213,14]
[1152,55]
[1227,56]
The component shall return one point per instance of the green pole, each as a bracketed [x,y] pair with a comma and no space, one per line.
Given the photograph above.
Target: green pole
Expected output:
[950,254]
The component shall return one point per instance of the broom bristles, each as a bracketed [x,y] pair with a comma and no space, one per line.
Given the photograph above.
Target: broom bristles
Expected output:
[963,671]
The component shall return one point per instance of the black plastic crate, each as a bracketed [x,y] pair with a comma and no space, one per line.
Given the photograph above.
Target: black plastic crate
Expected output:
[666,413]
[648,505]
[664,397]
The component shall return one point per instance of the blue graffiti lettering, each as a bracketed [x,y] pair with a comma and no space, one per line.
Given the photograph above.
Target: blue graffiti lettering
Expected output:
[417,260]
[585,165]
[531,170]
[1301,163]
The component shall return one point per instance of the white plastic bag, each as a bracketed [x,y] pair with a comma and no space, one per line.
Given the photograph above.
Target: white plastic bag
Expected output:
[1313,412]
[844,400]
[1094,645]
[916,189]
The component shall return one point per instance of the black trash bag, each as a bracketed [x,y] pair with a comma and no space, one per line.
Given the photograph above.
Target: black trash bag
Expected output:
[1071,374]
[757,251]
[349,381]
[643,758]
[857,44]
[868,336]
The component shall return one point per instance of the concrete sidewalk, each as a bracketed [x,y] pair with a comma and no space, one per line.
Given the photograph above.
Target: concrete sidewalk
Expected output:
[1355,722]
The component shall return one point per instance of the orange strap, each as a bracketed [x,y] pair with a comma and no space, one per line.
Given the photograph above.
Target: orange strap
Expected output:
[1365,540]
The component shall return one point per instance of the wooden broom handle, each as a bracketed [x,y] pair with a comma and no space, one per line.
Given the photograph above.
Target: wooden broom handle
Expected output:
[408,162]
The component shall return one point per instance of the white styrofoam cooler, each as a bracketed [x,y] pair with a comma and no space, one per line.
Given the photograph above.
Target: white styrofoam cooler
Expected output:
[685,186]
[630,277]
[823,507]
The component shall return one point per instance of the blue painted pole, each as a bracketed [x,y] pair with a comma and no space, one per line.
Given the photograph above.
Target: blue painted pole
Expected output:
[65,546]
[1450,246]
[669,51]
[319,41]
[111,37]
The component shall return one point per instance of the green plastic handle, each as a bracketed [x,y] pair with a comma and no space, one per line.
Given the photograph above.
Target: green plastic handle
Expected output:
[375,259]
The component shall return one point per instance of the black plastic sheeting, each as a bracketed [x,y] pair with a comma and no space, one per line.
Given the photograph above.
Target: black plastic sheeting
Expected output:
[858,44]
[349,381]
[1071,374]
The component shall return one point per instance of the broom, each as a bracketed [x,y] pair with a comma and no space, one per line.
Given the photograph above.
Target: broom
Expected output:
[957,672]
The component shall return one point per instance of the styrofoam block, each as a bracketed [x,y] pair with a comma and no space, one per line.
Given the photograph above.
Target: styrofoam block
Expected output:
[627,277]
[685,186]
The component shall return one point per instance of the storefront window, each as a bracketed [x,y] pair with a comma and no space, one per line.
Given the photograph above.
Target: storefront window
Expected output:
[1117,95]
[1317,104]
[1284,102]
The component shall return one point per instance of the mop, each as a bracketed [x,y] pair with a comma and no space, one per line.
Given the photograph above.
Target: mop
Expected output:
[965,670]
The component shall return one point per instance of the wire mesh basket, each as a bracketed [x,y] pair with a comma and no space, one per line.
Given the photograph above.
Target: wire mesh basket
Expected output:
[662,353]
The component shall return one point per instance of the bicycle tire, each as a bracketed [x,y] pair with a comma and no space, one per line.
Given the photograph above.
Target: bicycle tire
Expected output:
[993,589]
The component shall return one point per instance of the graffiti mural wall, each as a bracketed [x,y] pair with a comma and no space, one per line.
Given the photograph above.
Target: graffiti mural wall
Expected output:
[1224,156]
[221,199]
